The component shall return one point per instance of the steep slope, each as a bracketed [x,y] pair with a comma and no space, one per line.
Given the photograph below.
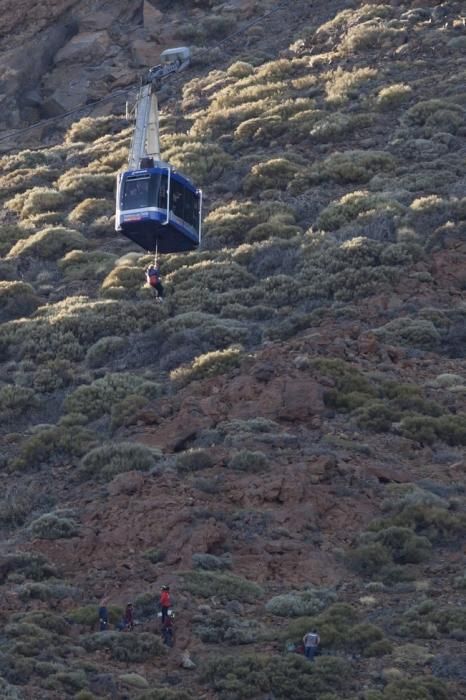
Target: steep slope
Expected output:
[283,440]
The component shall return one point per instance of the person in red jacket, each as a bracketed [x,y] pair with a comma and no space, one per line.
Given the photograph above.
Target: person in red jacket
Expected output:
[164,601]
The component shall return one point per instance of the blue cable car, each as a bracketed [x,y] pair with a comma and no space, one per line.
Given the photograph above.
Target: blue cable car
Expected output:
[159,208]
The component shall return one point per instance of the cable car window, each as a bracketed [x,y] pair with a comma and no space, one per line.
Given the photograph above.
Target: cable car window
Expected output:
[176,198]
[189,207]
[135,193]
[196,212]
[162,201]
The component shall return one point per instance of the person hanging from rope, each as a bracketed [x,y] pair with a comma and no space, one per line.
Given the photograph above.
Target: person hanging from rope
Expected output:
[153,279]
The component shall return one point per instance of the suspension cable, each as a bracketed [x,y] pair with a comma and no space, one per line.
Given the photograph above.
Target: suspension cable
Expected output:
[125,91]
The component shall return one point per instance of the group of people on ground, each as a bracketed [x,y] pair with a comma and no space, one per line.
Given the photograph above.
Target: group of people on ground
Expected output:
[310,645]
[126,624]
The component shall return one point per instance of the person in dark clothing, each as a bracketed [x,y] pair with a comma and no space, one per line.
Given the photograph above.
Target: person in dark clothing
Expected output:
[167,630]
[103,615]
[128,620]
[165,602]
[153,280]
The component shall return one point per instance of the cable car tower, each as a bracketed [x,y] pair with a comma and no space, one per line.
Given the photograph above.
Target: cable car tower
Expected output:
[157,207]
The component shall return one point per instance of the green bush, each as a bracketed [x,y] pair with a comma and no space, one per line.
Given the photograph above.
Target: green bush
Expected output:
[16,299]
[45,620]
[33,566]
[86,265]
[9,692]
[300,603]
[208,365]
[125,280]
[420,688]
[35,200]
[357,206]
[80,184]
[419,333]
[89,129]
[404,546]
[449,428]
[53,444]
[220,626]
[392,96]
[368,559]
[50,243]
[98,398]
[90,209]
[88,615]
[272,174]
[225,586]
[130,648]
[248,461]
[291,676]
[104,350]
[166,694]
[46,591]
[106,461]
[126,412]
[194,460]
[352,166]
[53,526]
[209,562]
[15,401]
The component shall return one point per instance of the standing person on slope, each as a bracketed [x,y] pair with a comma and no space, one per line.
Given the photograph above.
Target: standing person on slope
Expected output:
[165,602]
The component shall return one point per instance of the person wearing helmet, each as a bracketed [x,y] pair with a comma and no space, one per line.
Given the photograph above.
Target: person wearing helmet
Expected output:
[165,602]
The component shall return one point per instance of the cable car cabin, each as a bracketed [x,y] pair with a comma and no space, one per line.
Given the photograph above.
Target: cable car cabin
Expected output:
[158,208]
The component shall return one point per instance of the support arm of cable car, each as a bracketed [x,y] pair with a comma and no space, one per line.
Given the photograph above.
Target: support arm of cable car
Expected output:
[157,207]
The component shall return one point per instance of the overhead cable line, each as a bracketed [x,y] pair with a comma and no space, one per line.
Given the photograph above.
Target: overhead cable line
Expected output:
[126,91]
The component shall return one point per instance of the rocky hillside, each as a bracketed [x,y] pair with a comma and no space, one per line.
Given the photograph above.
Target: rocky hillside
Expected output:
[282,441]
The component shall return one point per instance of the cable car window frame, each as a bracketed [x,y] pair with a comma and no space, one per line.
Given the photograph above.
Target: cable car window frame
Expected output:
[124,194]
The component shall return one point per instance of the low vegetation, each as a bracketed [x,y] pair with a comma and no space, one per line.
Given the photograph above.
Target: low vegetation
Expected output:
[333,258]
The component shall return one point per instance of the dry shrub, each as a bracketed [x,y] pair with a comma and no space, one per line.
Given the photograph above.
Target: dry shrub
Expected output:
[38,199]
[342,85]
[54,526]
[392,96]
[272,174]
[208,365]
[203,162]
[356,205]
[107,461]
[89,129]
[86,265]
[371,34]
[82,184]
[228,224]
[90,209]
[50,243]
[240,69]
[353,166]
